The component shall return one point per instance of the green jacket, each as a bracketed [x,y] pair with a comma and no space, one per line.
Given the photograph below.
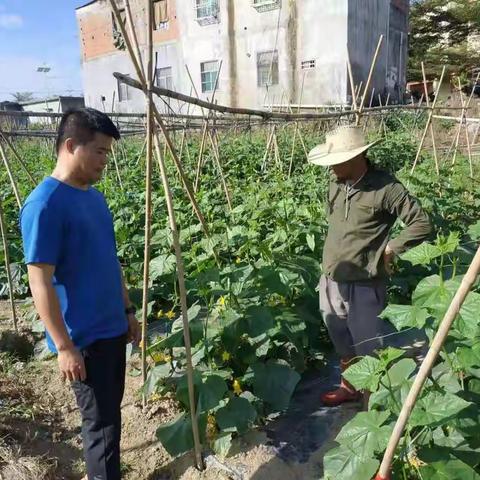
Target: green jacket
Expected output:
[360,224]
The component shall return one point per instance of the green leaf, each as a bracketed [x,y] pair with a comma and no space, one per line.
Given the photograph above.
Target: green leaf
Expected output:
[364,374]
[469,357]
[162,265]
[222,444]
[400,372]
[259,320]
[436,408]
[209,390]
[474,231]
[342,463]
[432,292]
[155,375]
[236,416]
[274,383]
[365,434]
[390,354]
[177,436]
[311,241]
[403,316]
[422,254]
[448,244]
[448,469]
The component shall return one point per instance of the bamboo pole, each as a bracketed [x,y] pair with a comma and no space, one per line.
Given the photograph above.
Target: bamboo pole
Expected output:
[427,364]
[143,86]
[463,123]
[10,176]
[7,267]
[267,149]
[17,156]
[266,115]
[117,170]
[148,193]
[200,161]
[133,34]
[216,156]
[372,96]
[460,125]
[184,306]
[429,120]
[370,75]
[432,133]
[176,242]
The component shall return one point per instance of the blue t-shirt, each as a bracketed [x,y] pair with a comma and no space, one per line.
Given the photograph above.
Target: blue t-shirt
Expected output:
[72,229]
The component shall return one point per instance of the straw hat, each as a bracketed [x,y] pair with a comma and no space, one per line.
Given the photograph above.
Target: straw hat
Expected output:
[341,145]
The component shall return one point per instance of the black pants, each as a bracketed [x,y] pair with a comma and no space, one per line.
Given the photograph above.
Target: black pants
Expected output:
[99,398]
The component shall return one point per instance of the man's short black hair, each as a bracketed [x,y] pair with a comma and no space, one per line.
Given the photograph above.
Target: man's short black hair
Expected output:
[81,124]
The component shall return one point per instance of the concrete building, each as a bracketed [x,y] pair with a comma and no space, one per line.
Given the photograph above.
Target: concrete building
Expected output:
[58,104]
[263,51]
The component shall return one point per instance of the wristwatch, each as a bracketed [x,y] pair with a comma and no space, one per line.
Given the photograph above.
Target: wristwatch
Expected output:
[131,310]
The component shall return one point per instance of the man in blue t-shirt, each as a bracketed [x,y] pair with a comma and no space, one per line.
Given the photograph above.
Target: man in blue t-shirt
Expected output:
[77,284]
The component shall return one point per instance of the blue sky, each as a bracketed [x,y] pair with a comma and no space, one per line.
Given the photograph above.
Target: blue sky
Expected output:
[34,33]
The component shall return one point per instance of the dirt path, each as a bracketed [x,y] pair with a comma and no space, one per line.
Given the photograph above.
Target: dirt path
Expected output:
[40,426]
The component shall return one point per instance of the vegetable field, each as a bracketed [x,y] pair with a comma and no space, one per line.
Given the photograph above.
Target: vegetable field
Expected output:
[253,308]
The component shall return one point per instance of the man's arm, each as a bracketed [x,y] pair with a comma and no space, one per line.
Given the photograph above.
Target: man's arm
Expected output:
[134,332]
[70,361]
[417,224]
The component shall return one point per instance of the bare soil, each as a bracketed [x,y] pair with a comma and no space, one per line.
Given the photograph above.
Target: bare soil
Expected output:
[40,432]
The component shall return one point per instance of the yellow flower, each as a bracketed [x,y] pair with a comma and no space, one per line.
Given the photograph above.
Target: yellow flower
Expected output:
[221,301]
[158,356]
[226,356]
[211,428]
[170,314]
[238,260]
[168,358]
[237,388]
[160,314]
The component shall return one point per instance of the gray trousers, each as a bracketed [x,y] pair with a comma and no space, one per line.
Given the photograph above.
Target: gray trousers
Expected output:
[350,312]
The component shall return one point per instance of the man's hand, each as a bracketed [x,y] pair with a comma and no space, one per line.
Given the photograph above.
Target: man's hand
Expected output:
[71,364]
[134,333]
[388,257]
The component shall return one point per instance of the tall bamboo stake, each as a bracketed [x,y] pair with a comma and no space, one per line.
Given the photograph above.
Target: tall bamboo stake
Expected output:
[370,75]
[151,110]
[267,149]
[117,170]
[429,120]
[148,194]
[7,266]
[10,176]
[427,364]
[184,306]
[370,106]
[432,133]
[158,118]
[17,156]
[216,157]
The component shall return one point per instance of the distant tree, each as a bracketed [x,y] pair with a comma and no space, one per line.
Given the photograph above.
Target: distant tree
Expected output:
[441,33]
[22,96]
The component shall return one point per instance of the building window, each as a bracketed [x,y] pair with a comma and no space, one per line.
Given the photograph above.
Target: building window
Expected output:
[308,64]
[207,11]
[118,40]
[265,5]
[123,91]
[160,14]
[164,78]
[267,68]
[209,74]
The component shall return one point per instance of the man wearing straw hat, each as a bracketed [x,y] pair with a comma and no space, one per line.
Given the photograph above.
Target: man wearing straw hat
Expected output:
[364,202]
